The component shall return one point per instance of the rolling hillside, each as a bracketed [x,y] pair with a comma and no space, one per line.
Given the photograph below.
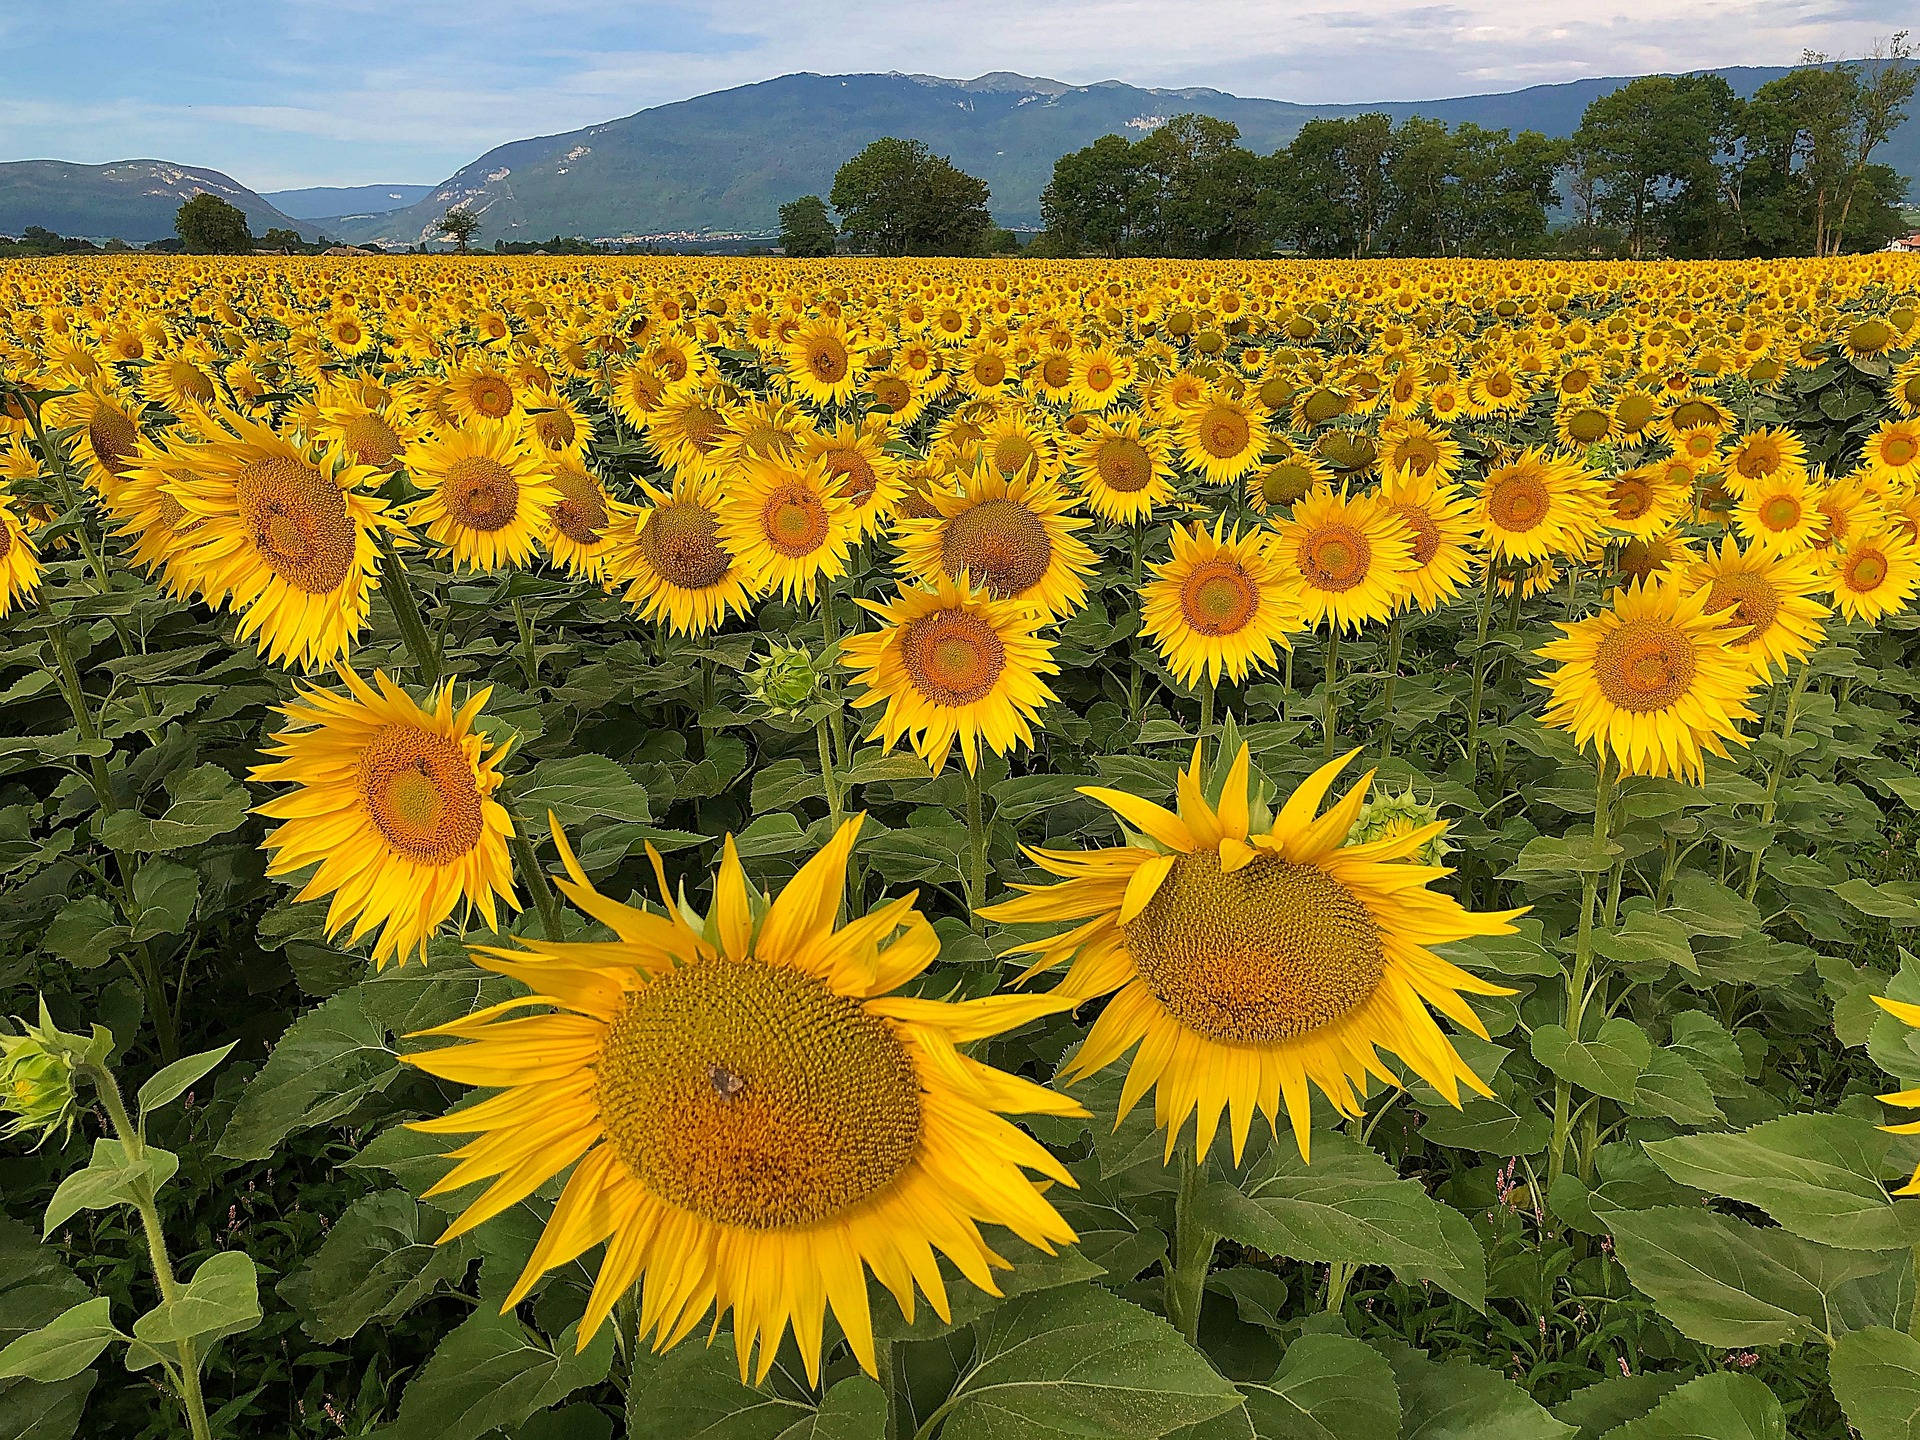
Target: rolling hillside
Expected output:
[725,162]
[321,202]
[133,200]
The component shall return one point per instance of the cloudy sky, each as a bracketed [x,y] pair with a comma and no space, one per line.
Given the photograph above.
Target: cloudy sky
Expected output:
[281,93]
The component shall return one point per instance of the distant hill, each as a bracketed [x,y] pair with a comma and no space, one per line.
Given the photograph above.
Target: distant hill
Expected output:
[323,202]
[725,162]
[133,200]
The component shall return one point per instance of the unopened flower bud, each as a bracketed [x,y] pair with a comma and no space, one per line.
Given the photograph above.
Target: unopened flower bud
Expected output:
[785,681]
[1387,817]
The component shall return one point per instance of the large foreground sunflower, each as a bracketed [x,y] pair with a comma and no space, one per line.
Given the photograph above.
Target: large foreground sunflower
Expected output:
[1651,680]
[951,663]
[489,500]
[19,565]
[1219,608]
[1014,538]
[753,1120]
[675,565]
[1776,616]
[395,803]
[1254,953]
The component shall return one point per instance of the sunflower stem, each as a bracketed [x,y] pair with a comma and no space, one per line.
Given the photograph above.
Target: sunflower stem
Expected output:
[1394,629]
[1770,805]
[1193,1243]
[538,885]
[1207,688]
[406,614]
[1479,672]
[887,1368]
[140,1191]
[976,852]
[529,657]
[1332,703]
[829,780]
[1582,964]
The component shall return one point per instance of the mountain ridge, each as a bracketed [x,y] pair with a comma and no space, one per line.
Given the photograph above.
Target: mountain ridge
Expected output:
[132,200]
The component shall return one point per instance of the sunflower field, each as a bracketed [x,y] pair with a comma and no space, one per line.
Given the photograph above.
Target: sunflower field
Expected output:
[961,850]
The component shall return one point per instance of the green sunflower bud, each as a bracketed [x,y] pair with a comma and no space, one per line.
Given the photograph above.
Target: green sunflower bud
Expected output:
[37,1081]
[1386,817]
[785,681]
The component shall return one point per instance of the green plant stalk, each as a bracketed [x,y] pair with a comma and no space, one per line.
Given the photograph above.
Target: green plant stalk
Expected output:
[1330,721]
[529,657]
[406,614]
[1207,687]
[887,1364]
[829,778]
[1770,806]
[1479,672]
[128,1134]
[976,853]
[1394,629]
[1582,965]
[524,860]
[829,680]
[76,697]
[1186,1281]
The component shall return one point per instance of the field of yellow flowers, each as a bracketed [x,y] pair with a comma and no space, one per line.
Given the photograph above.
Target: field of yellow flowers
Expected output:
[982,850]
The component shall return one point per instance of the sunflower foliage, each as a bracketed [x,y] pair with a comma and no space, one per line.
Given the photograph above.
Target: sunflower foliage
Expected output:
[988,849]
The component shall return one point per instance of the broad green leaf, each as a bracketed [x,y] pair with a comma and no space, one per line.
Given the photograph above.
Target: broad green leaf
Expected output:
[1722,1406]
[86,933]
[1646,938]
[170,1082]
[1032,1270]
[1670,1086]
[1823,1177]
[1462,1401]
[108,1179]
[1079,1361]
[1706,907]
[223,1298]
[1875,1375]
[1552,859]
[1723,1282]
[63,1347]
[492,1372]
[694,1392]
[1895,901]
[1348,1205]
[854,1409]
[1328,1387]
[1259,1296]
[35,1287]
[378,1261]
[578,788]
[164,894]
[1605,1404]
[1708,1047]
[206,802]
[1609,1064]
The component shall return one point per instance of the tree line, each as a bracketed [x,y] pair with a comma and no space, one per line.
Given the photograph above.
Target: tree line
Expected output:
[1680,166]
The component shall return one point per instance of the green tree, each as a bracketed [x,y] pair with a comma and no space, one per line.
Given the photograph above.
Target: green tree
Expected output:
[805,229]
[1203,193]
[1653,147]
[459,225]
[1336,193]
[1095,198]
[896,197]
[208,225]
[281,238]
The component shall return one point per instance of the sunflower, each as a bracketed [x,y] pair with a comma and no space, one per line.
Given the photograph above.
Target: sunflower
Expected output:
[478,391]
[952,663]
[106,432]
[557,427]
[788,524]
[583,522]
[1099,375]
[178,383]
[1873,573]
[1348,556]
[676,567]
[1655,554]
[872,482]
[1122,467]
[1287,481]
[1254,953]
[753,1119]
[638,392]
[688,429]
[1012,537]
[370,433]
[820,364]
[1762,454]
[1650,680]
[1903,389]
[1218,608]
[1774,618]
[1221,437]
[394,801]
[1413,450]
[284,533]
[1778,515]
[1017,444]
[1440,520]
[1850,506]
[1642,501]
[1537,505]
[1894,449]
[488,501]
[19,563]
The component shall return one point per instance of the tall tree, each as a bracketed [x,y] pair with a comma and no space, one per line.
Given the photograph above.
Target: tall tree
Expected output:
[208,225]
[1095,199]
[1652,147]
[1883,84]
[805,229]
[459,225]
[896,197]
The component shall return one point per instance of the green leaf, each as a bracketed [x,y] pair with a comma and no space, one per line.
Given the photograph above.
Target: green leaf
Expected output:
[1710,1049]
[170,1082]
[35,1287]
[1601,1406]
[1551,858]
[1723,1282]
[1647,938]
[1032,1270]
[491,1373]
[223,1298]
[1895,901]
[1670,1086]
[63,1347]
[87,932]
[1721,1406]
[1328,1387]
[164,894]
[694,1392]
[206,802]
[579,788]
[1875,1374]
[1706,907]
[108,1179]
[1609,1064]
[378,1261]
[1349,1205]
[1081,1362]
[854,1409]
[1463,1401]
[1818,1176]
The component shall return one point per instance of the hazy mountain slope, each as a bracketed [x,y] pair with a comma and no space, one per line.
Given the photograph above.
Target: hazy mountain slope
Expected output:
[131,200]
[320,202]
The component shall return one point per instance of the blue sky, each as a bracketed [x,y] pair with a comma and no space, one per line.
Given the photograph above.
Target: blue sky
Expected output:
[282,93]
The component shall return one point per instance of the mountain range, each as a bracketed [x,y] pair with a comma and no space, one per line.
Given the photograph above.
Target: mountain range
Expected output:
[720,165]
